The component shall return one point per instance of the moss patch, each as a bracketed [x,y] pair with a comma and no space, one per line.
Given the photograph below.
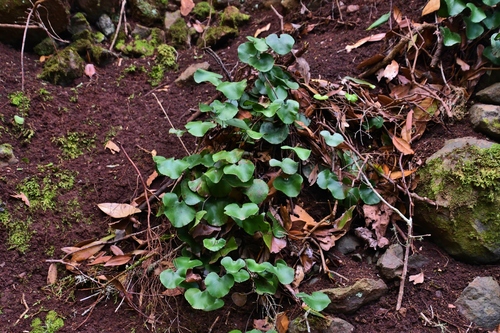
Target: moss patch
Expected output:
[53,323]
[179,32]
[202,10]
[74,144]
[18,232]
[215,35]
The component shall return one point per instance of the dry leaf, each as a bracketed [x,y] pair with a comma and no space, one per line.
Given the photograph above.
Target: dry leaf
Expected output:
[117,210]
[89,70]
[86,253]
[407,128]
[397,15]
[239,299]
[116,250]
[70,249]
[277,244]
[463,65]
[198,27]
[402,146]
[100,260]
[378,217]
[372,38]
[398,174]
[186,7]
[391,70]
[431,7]
[282,322]
[118,260]
[352,8]
[299,276]
[112,146]
[173,292]
[23,197]
[261,30]
[262,324]
[417,278]
[151,177]
[52,274]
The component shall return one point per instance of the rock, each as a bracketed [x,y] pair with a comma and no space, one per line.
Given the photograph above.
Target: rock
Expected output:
[320,325]
[105,24]
[94,9]
[479,302]
[141,32]
[390,264]
[45,47]
[179,33]
[217,35]
[463,178]
[232,17]
[188,73]
[347,244]
[490,95]
[486,119]
[146,12]
[202,10]
[349,299]
[170,18]
[79,24]
[64,68]
[7,155]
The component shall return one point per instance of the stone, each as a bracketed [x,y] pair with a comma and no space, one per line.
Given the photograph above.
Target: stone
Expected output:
[463,179]
[170,18]
[320,325]
[479,302]
[64,68]
[187,75]
[486,119]
[105,24]
[217,35]
[178,33]
[232,17]
[45,47]
[7,155]
[96,8]
[347,244]
[349,299]
[79,24]
[146,12]
[390,264]
[490,95]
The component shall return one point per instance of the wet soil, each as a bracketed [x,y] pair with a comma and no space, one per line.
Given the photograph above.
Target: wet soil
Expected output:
[123,107]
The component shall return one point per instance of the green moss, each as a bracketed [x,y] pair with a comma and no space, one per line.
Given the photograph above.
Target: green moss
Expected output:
[45,94]
[18,232]
[179,32]
[156,75]
[53,323]
[233,17]
[167,57]
[98,37]
[63,67]
[45,47]
[202,10]
[21,101]
[74,144]
[156,37]
[216,35]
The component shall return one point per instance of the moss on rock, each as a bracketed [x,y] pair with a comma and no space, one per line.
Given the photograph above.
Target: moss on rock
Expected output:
[202,10]
[233,17]
[63,68]
[179,32]
[217,35]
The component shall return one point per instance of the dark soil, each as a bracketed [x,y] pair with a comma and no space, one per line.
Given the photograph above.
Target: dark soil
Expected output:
[122,107]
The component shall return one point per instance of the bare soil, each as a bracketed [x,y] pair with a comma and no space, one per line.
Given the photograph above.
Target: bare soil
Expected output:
[123,107]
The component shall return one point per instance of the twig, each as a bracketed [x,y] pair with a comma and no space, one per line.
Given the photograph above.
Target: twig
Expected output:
[30,13]
[171,125]
[279,16]
[122,14]
[323,262]
[20,26]
[219,61]
[23,302]
[213,324]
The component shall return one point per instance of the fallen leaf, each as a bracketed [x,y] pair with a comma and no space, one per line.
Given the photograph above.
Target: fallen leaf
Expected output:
[431,7]
[402,146]
[398,174]
[417,278]
[352,8]
[23,197]
[198,27]
[118,260]
[100,260]
[52,274]
[282,322]
[239,299]
[463,65]
[299,276]
[70,249]
[262,324]
[407,128]
[86,253]
[117,210]
[397,15]
[116,250]
[371,38]
[261,30]
[89,70]
[391,70]
[277,244]
[112,146]
[173,292]
[151,177]
[186,7]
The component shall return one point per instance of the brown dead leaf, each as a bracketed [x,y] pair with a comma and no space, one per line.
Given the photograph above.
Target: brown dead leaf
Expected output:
[89,70]
[118,260]
[117,210]
[463,65]
[262,324]
[402,145]
[282,322]
[277,244]
[151,178]
[173,292]
[398,174]
[352,8]
[113,147]
[186,7]
[371,38]
[52,274]
[23,197]
[389,72]
[378,217]
[116,250]
[100,260]
[70,249]
[87,252]
[239,299]
[192,277]
[261,30]
[407,128]
[198,27]
[299,276]
[397,15]
[417,278]
[431,7]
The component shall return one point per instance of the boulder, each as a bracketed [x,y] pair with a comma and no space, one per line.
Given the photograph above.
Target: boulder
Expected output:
[463,178]
[7,155]
[490,95]
[486,119]
[315,324]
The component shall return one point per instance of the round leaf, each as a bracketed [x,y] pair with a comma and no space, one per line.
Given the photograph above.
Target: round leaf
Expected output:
[259,43]
[232,156]
[199,128]
[317,301]
[333,140]
[170,167]
[246,210]
[214,244]
[246,51]
[291,185]
[202,300]
[243,170]
[284,273]
[288,111]
[258,191]
[219,286]
[472,30]
[177,212]
[232,90]
[232,266]
[274,134]
[368,196]
[450,38]
[202,75]
[282,44]
[302,153]
[171,279]
[262,63]
[328,180]
[288,165]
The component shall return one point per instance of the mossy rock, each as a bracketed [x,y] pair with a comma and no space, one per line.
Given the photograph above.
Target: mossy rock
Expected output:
[202,10]
[79,24]
[146,12]
[63,68]
[178,33]
[45,47]
[95,8]
[136,48]
[232,17]
[215,36]
[463,178]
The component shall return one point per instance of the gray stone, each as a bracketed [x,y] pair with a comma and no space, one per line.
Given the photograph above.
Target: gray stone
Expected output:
[170,18]
[390,264]
[105,24]
[188,73]
[141,32]
[320,325]
[463,179]
[480,302]
[79,24]
[347,244]
[486,119]
[7,155]
[349,299]
[146,12]
[490,94]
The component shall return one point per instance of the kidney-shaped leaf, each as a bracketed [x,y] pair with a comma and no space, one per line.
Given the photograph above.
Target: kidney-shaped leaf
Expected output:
[246,210]
[171,279]
[199,128]
[232,90]
[243,170]
[290,185]
[302,153]
[213,244]
[333,140]
[258,191]
[317,301]
[170,167]
[202,300]
[282,44]
[219,286]
[179,213]
[232,266]
[202,75]
[117,210]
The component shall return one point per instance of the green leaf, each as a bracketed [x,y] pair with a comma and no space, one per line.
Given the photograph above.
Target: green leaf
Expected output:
[231,245]
[282,44]
[288,165]
[368,196]
[241,276]
[262,63]
[353,98]
[177,212]
[204,159]
[277,93]
[257,192]
[177,132]
[317,301]
[246,51]
[328,180]
[382,19]
[215,212]
[170,167]
[491,3]
[224,111]
[302,153]
[345,218]
[171,279]
[259,43]
[246,210]
[213,244]
[493,20]
[19,120]
[232,156]
[320,97]
[232,90]
[284,273]
[455,7]
[219,286]
[184,263]
[202,300]
[472,30]
[199,128]
[290,186]
[274,134]
[202,75]
[214,174]
[267,284]
[199,185]
[254,267]
[333,140]
[190,198]
[288,111]
[359,81]
[253,224]
[232,266]
[476,14]
[243,170]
